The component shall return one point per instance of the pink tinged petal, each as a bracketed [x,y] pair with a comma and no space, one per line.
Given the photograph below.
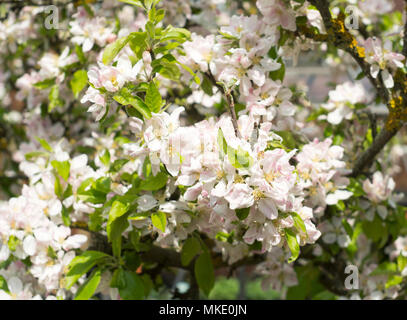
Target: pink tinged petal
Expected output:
[268,208]
[240,196]
[192,193]
[250,235]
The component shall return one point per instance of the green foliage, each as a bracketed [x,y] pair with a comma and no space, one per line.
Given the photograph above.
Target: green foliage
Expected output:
[78,82]
[153,98]
[292,244]
[82,264]
[204,272]
[3,284]
[190,250]
[116,224]
[129,283]
[124,97]
[239,158]
[86,291]
[153,183]
[159,220]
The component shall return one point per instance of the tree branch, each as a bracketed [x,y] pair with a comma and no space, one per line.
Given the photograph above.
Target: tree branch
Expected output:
[230,102]
[367,158]
[340,37]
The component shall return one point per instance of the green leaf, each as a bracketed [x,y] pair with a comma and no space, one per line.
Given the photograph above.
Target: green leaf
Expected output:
[78,82]
[82,264]
[54,100]
[153,183]
[133,288]
[239,158]
[159,220]
[292,244]
[116,224]
[347,227]
[298,222]
[393,280]
[223,147]
[65,216]
[118,279]
[80,54]
[138,43]
[401,262]
[153,98]
[242,213]
[361,75]
[207,86]
[204,273]
[44,84]
[86,291]
[117,165]
[280,73]
[112,50]
[190,71]
[3,284]
[385,268]
[105,158]
[95,220]
[375,230]
[35,154]
[178,34]
[44,144]
[136,3]
[124,97]
[190,249]
[288,139]
[62,167]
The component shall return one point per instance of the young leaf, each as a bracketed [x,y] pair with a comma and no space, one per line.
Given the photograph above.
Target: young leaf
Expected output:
[86,291]
[153,183]
[53,98]
[298,222]
[159,220]
[62,167]
[112,50]
[79,81]
[44,144]
[223,147]
[105,158]
[82,264]
[44,84]
[124,97]
[204,273]
[116,224]
[153,98]
[292,244]
[136,3]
